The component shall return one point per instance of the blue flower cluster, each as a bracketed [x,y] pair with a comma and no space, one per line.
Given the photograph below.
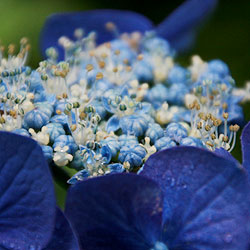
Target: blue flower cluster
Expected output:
[105,109]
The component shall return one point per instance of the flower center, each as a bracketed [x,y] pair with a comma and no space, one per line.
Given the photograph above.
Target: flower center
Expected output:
[159,246]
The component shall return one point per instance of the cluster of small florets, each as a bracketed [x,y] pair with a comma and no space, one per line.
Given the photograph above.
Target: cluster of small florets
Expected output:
[107,108]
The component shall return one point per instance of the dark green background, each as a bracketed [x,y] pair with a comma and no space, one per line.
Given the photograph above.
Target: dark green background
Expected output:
[226,35]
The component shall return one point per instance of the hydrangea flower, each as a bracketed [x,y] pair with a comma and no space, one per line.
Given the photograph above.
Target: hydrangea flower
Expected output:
[29,216]
[97,94]
[184,198]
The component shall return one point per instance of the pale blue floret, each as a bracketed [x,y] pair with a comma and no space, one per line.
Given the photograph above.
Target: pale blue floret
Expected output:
[143,71]
[132,153]
[21,131]
[176,93]
[77,162]
[66,140]
[154,132]
[155,45]
[47,152]
[219,67]
[60,105]
[55,130]
[100,110]
[79,176]
[63,120]
[133,124]
[127,139]
[164,142]
[116,168]
[191,141]
[35,119]
[125,51]
[176,132]
[113,144]
[179,74]
[46,107]
[157,95]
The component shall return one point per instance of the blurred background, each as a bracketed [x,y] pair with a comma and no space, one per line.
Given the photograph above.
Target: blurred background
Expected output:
[225,36]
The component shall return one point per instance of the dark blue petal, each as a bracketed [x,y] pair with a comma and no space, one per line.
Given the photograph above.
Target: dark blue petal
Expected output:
[181,23]
[63,237]
[64,24]
[118,211]
[245,147]
[27,200]
[206,203]
[224,153]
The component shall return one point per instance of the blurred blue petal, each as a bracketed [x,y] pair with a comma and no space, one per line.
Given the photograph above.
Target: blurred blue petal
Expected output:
[206,202]
[63,237]
[124,214]
[184,20]
[64,24]
[27,200]
[245,147]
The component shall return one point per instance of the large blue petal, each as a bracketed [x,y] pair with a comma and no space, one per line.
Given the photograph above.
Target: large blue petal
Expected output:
[64,24]
[27,200]
[63,237]
[245,147]
[119,211]
[206,203]
[181,23]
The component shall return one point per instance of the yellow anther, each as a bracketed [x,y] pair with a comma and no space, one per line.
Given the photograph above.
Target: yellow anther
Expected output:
[125,61]
[236,128]
[99,76]
[13,113]
[101,64]
[231,127]
[24,40]
[209,143]
[104,55]
[225,138]
[225,115]
[198,107]
[117,52]
[92,53]
[82,116]
[58,111]
[2,120]
[209,115]
[224,105]
[207,128]
[64,95]
[140,57]
[115,69]
[11,49]
[89,67]
[191,106]
[63,73]
[73,127]
[199,125]
[213,137]
[128,68]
